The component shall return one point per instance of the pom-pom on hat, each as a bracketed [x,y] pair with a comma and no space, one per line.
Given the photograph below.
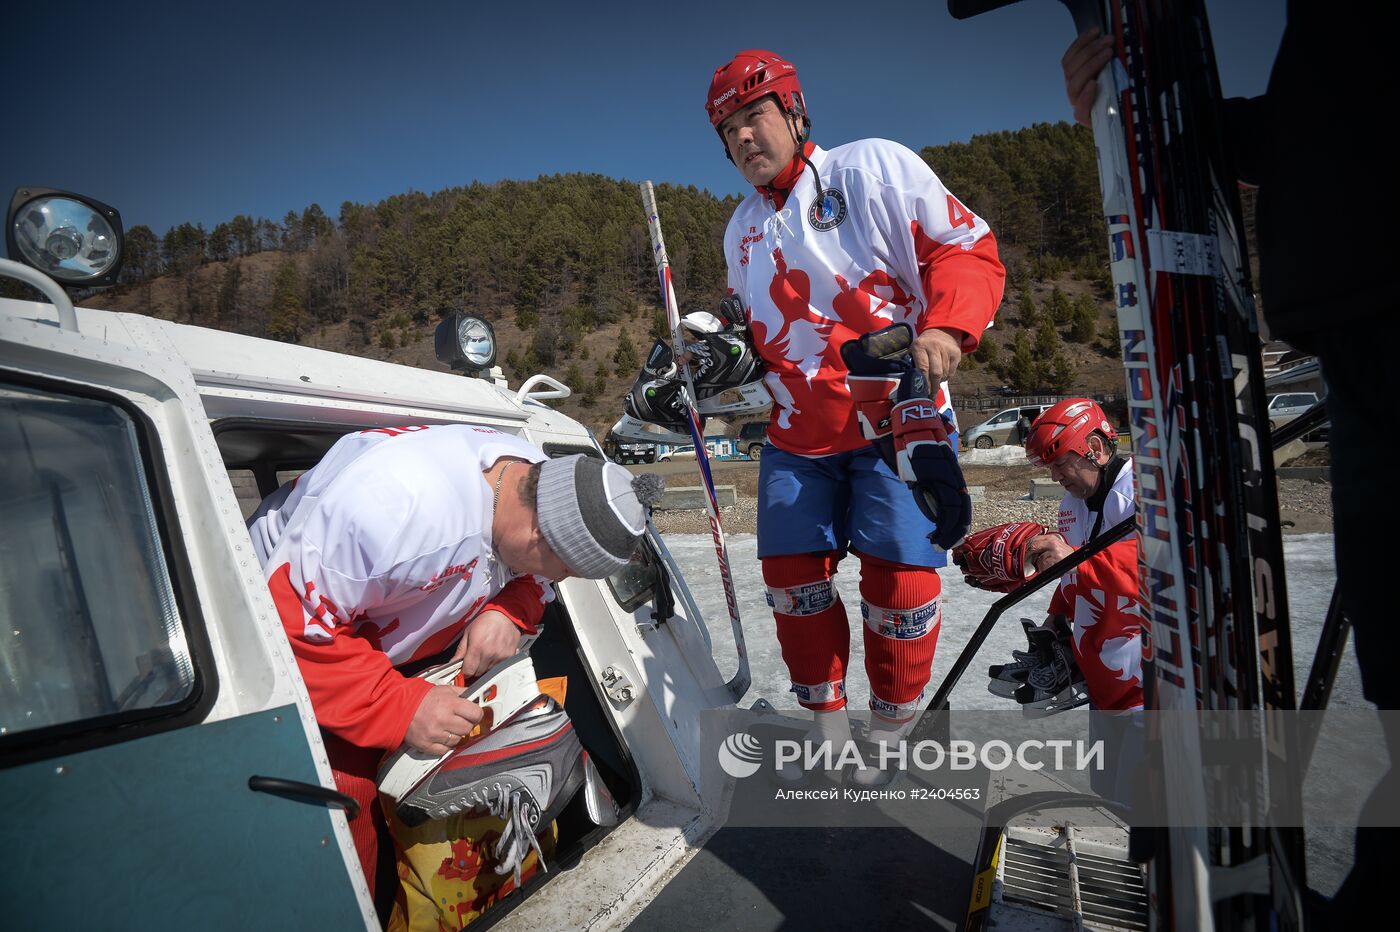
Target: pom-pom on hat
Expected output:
[593,512]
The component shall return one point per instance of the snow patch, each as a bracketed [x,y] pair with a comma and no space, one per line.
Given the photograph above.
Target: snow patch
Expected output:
[1008,455]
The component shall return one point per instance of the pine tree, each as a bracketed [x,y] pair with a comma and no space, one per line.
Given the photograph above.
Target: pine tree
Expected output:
[625,359]
[1084,322]
[988,352]
[226,306]
[315,225]
[287,318]
[220,242]
[1057,306]
[1108,337]
[1047,340]
[291,233]
[1061,376]
[1026,309]
[1022,370]
[142,259]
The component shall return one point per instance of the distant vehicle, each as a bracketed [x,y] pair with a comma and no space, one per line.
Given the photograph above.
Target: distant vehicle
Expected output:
[686,452]
[628,451]
[1287,406]
[1000,428]
[753,437]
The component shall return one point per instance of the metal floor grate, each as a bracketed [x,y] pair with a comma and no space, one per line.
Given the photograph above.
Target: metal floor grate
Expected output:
[1111,896]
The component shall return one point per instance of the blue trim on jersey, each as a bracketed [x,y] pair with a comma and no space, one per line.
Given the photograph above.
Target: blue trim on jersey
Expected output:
[846,501]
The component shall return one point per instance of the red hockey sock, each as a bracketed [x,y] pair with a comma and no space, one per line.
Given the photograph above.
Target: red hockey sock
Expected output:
[902,612]
[813,632]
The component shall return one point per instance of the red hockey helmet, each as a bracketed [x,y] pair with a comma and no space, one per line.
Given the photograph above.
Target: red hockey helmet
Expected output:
[1065,428]
[753,74]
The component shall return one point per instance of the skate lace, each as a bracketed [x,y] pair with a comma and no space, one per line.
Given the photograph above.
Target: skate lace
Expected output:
[521,817]
[1052,676]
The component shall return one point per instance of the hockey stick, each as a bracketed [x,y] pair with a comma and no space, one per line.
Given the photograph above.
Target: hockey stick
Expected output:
[742,677]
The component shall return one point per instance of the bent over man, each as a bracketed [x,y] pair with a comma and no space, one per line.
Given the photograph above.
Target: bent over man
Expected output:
[402,540]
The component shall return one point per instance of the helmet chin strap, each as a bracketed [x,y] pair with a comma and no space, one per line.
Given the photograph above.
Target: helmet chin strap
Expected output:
[1104,471]
[799,112]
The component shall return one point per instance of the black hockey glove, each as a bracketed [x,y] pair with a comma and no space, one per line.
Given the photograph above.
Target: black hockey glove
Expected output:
[896,411]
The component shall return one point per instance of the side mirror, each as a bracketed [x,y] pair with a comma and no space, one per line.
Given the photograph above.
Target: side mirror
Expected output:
[644,580]
[75,240]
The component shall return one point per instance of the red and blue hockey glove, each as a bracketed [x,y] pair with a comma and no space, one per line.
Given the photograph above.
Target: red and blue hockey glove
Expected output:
[995,558]
[896,411]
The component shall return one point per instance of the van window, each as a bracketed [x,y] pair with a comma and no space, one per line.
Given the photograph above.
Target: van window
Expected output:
[1005,417]
[91,625]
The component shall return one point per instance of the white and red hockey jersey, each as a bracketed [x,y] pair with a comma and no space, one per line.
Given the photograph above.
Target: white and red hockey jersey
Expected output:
[378,556]
[1101,597]
[884,243]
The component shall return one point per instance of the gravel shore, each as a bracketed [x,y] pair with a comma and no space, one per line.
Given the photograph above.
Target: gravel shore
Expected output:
[1304,507]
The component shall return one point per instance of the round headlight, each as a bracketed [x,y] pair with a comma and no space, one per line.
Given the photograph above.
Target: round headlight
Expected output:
[466,342]
[477,341]
[71,239]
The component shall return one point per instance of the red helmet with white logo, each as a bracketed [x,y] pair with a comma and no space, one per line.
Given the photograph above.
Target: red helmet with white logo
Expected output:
[1065,428]
[753,74]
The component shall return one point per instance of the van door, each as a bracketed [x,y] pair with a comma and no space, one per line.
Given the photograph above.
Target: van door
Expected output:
[156,760]
[1001,428]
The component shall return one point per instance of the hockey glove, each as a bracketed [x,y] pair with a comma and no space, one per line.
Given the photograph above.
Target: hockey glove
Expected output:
[995,559]
[896,411]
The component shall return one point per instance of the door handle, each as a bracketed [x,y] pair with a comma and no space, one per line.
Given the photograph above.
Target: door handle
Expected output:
[297,789]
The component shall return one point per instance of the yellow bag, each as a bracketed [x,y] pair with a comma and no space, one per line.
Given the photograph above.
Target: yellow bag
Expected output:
[447,867]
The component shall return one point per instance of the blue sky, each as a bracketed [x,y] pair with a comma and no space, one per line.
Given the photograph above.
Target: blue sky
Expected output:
[178,112]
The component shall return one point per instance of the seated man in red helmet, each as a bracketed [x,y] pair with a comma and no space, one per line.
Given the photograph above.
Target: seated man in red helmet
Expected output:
[830,246]
[1090,646]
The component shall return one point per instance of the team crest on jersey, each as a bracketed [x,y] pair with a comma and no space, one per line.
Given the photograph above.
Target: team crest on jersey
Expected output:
[827,211]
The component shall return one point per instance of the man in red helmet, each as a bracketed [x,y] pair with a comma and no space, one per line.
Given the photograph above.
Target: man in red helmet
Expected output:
[1091,640]
[833,245]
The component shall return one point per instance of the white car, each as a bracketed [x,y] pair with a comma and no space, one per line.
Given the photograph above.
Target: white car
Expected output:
[1287,406]
[686,452]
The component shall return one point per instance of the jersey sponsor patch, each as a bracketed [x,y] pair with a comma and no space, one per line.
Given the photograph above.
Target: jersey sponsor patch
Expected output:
[819,692]
[827,211]
[804,599]
[903,624]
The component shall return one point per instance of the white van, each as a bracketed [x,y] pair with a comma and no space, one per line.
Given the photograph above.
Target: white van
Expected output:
[150,706]
[1000,429]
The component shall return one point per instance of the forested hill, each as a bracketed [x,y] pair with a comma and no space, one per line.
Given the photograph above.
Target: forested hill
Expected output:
[562,267]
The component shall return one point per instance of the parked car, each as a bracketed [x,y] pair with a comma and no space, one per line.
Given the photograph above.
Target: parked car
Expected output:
[686,452]
[1000,428]
[1287,406]
[753,437]
[624,451]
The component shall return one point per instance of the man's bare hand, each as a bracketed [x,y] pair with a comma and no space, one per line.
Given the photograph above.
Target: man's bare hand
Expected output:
[490,638]
[1045,550]
[937,352]
[442,720]
[1082,64]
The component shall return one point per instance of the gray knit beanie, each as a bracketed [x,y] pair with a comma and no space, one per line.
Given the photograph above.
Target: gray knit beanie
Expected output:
[593,512]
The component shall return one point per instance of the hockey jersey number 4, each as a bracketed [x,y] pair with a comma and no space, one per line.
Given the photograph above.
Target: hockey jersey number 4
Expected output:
[884,242]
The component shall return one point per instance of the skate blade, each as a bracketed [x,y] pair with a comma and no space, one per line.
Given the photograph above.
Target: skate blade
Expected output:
[629,428]
[1071,698]
[750,398]
[1004,689]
